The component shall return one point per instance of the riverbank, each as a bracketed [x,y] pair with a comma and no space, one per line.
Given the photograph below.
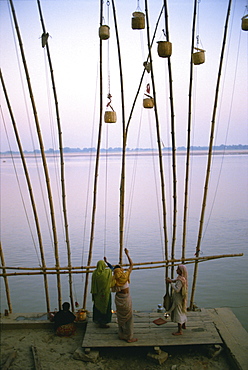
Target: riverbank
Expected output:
[128,153]
[28,344]
[58,353]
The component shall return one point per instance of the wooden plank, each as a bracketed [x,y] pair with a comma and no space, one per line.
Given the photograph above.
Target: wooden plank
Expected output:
[200,330]
[234,336]
[37,364]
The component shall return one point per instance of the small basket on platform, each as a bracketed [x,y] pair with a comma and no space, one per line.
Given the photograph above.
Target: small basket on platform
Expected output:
[82,314]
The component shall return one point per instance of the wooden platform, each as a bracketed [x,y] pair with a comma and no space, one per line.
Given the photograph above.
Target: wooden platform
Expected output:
[200,330]
[234,336]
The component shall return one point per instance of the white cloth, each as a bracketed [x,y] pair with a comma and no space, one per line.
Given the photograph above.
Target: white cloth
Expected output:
[176,310]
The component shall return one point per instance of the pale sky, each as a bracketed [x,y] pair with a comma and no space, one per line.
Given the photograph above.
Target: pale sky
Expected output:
[74,47]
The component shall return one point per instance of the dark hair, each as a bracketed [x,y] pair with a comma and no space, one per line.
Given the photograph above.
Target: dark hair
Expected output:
[66,306]
[117,267]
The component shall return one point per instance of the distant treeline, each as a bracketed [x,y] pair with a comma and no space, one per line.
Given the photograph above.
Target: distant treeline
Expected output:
[119,149]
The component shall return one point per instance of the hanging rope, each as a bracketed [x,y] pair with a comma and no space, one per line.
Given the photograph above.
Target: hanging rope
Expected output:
[96,166]
[198,246]
[30,192]
[187,172]
[49,193]
[158,140]
[30,130]
[61,159]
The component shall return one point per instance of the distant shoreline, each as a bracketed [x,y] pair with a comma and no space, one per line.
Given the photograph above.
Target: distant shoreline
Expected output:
[128,153]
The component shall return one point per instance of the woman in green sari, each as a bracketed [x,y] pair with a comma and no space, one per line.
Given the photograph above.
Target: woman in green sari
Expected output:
[101,295]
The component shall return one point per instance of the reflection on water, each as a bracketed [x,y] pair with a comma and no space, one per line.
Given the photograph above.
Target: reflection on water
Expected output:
[220,282]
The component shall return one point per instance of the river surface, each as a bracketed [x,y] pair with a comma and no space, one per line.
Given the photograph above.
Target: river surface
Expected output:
[220,283]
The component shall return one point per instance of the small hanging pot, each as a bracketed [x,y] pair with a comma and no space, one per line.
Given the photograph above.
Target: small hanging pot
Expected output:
[245,23]
[198,57]
[110,116]
[104,32]
[138,21]
[148,103]
[164,49]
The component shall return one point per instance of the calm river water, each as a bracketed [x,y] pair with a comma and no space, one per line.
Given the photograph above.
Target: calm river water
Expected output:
[220,283]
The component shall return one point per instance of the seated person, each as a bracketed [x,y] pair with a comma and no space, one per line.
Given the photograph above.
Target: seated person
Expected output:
[64,321]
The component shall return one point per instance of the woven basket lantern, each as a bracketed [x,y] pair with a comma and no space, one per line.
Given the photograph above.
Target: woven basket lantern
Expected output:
[198,57]
[138,21]
[110,116]
[148,102]
[104,32]
[245,23]
[164,49]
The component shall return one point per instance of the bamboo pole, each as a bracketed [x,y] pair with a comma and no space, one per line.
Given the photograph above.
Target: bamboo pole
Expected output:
[174,260]
[49,192]
[186,186]
[158,139]
[96,166]
[62,173]
[173,143]
[6,283]
[210,152]
[137,266]
[30,191]
[124,142]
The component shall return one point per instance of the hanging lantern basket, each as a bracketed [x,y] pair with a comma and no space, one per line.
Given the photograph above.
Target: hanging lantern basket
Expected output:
[245,23]
[148,103]
[199,56]
[164,49]
[138,21]
[104,32]
[110,116]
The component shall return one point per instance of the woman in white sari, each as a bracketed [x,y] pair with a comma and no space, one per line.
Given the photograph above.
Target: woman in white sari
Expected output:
[178,310]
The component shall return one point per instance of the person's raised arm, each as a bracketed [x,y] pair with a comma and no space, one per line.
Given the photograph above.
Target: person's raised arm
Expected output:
[129,258]
[109,264]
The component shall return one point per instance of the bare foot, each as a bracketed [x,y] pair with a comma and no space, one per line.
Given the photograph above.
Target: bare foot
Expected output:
[177,333]
[105,326]
[132,340]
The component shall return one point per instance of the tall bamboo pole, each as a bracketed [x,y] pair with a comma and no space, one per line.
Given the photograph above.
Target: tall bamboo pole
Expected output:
[186,188]
[210,152]
[29,189]
[96,166]
[62,170]
[124,142]
[158,139]
[6,283]
[173,140]
[49,192]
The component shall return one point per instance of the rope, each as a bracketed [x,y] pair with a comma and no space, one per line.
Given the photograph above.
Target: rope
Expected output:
[106,193]
[53,136]
[30,128]
[228,124]
[19,187]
